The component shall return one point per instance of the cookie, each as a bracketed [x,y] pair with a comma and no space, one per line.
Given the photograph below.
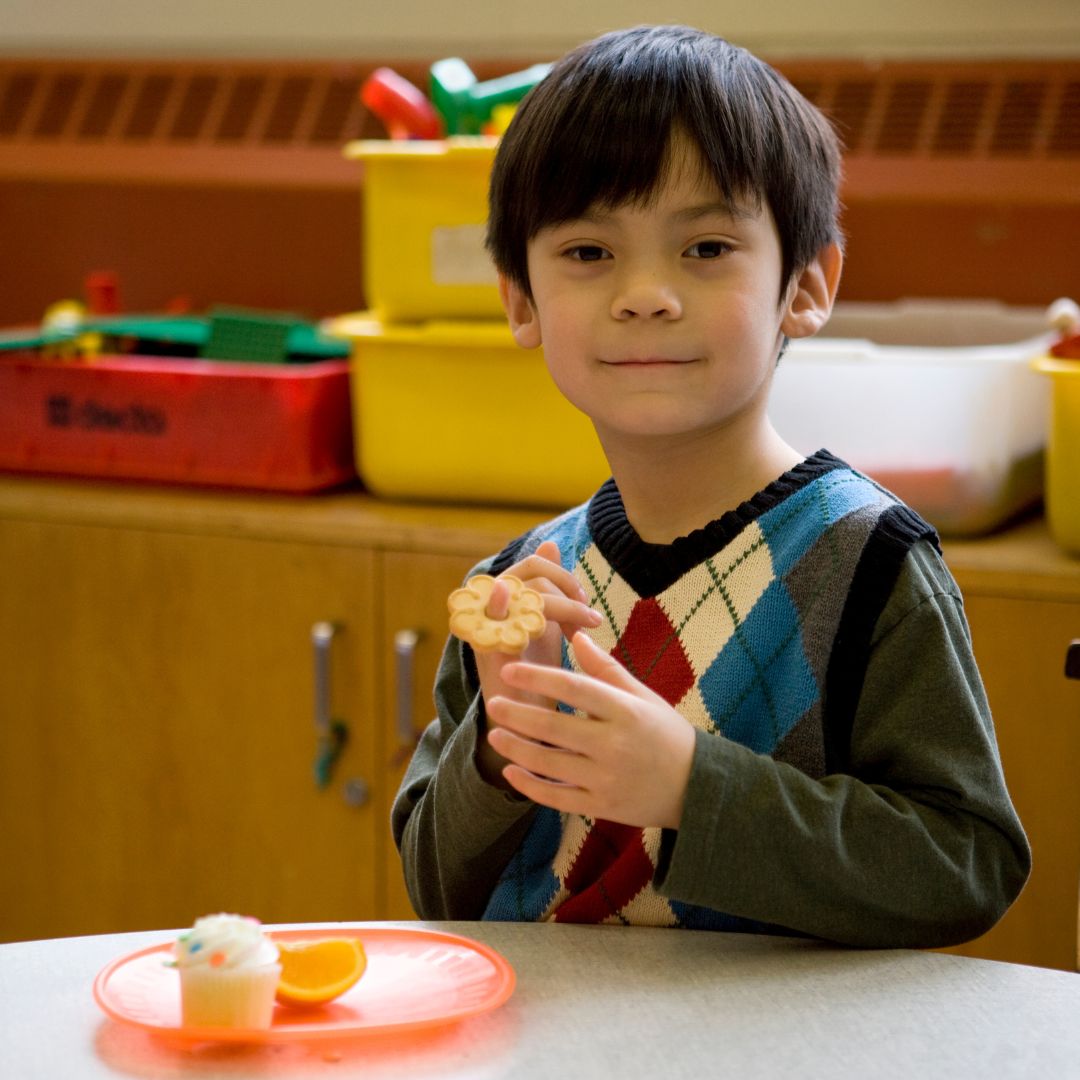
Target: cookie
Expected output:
[470,621]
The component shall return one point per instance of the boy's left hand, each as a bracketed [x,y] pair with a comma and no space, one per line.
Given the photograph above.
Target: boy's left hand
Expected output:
[626,760]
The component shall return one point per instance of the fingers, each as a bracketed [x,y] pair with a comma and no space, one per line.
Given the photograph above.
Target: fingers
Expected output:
[602,686]
[549,550]
[601,665]
[498,605]
[588,693]
[519,720]
[571,615]
[564,798]
[551,763]
[551,747]
[545,563]
[594,661]
[566,602]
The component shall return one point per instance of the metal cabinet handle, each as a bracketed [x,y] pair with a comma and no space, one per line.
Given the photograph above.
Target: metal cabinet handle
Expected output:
[330,734]
[1072,660]
[405,644]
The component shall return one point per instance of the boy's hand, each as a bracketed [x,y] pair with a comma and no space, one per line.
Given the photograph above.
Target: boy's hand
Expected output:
[566,610]
[626,760]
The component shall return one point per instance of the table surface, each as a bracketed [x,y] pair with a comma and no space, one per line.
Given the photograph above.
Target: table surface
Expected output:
[595,1001]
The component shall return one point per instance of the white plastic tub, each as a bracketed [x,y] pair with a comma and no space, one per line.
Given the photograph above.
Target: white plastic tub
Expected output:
[936,400]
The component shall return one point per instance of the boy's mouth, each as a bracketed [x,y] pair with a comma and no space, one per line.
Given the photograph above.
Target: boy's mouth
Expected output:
[649,362]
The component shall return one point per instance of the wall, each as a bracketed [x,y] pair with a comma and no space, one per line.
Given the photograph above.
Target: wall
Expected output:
[361,28]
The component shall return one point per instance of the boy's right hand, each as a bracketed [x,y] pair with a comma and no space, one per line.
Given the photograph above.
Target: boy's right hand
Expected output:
[566,610]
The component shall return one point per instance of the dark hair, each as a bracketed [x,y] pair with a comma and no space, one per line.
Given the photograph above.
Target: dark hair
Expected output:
[598,131]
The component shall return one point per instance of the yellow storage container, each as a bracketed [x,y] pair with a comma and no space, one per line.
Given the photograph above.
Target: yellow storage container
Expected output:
[456,411]
[1063,452]
[424,215]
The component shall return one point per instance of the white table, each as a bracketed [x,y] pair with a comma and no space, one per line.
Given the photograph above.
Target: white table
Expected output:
[604,1001]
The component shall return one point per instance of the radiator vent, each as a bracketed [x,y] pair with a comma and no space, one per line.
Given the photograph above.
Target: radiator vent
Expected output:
[54,115]
[979,112]
[176,106]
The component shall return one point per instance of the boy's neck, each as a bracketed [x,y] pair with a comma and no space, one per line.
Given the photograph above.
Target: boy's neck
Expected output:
[671,490]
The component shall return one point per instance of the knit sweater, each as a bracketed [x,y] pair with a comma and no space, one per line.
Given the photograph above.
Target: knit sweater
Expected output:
[761,630]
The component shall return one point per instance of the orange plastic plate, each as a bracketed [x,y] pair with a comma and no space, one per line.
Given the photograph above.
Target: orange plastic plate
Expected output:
[414,979]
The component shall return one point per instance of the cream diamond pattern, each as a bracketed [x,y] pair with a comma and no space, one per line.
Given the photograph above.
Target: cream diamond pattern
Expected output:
[729,585]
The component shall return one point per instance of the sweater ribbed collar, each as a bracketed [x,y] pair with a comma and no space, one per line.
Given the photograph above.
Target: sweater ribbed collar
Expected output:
[650,568]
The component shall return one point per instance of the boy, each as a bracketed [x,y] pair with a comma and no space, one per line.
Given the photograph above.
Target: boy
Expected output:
[755,705]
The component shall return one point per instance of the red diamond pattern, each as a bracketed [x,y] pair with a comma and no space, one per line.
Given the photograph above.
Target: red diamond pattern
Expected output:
[610,870]
[650,649]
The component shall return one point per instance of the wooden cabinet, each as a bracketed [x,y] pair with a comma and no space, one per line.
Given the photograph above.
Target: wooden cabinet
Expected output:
[157,700]
[158,737]
[157,689]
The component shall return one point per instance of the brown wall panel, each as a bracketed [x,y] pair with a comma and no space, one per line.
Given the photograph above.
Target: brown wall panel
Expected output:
[265,247]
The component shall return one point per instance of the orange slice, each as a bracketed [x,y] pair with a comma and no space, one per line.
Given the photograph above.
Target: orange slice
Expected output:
[315,972]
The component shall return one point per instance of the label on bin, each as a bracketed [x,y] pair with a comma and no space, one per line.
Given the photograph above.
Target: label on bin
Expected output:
[458,256]
[62,411]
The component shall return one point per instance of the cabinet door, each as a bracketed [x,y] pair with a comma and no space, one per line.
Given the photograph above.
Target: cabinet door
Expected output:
[157,736]
[1020,646]
[414,634]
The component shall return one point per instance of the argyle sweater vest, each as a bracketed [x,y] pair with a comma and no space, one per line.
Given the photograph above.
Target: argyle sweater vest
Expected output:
[756,628]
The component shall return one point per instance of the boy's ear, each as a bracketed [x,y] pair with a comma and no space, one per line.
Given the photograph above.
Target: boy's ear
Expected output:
[812,292]
[520,312]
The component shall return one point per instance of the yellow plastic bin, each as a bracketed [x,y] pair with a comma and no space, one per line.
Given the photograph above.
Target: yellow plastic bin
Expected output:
[456,411]
[424,216]
[1063,452]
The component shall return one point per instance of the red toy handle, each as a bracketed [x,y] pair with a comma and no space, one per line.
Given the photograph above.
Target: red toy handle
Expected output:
[403,108]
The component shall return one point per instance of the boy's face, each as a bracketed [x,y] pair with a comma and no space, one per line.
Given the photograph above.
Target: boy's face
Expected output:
[665,320]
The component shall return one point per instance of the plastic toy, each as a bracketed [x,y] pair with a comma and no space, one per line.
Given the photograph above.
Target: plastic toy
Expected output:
[65,334]
[102,289]
[1064,316]
[466,105]
[403,108]
[501,116]
[170,336]
[1068,348]
[251,336]
[451,80]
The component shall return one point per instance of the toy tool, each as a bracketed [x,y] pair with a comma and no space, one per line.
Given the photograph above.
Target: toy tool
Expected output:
[403,108]
[466,105]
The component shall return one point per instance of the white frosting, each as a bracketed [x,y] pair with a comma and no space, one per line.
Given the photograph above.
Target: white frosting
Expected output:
[225,941]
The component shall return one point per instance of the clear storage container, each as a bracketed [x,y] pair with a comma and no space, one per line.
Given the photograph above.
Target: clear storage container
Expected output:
[936,400]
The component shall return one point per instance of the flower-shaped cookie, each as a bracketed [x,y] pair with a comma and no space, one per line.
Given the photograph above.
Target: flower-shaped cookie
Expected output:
[470,621]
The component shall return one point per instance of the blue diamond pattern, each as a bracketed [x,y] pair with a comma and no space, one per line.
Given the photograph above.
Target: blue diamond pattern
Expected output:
[760,683]
[528,883]
[836,496]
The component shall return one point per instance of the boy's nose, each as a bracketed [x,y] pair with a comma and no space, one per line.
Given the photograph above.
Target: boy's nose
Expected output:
[646,297]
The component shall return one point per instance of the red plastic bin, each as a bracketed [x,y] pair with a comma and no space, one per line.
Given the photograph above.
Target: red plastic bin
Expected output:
[281,427]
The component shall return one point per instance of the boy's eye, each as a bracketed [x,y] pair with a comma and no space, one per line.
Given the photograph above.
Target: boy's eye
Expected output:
[587,253]
[707,249]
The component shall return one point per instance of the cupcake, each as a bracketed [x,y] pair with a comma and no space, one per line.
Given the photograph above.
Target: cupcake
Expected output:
[229,973]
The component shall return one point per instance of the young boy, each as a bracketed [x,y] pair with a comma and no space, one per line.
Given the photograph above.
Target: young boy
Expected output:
[755,706]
